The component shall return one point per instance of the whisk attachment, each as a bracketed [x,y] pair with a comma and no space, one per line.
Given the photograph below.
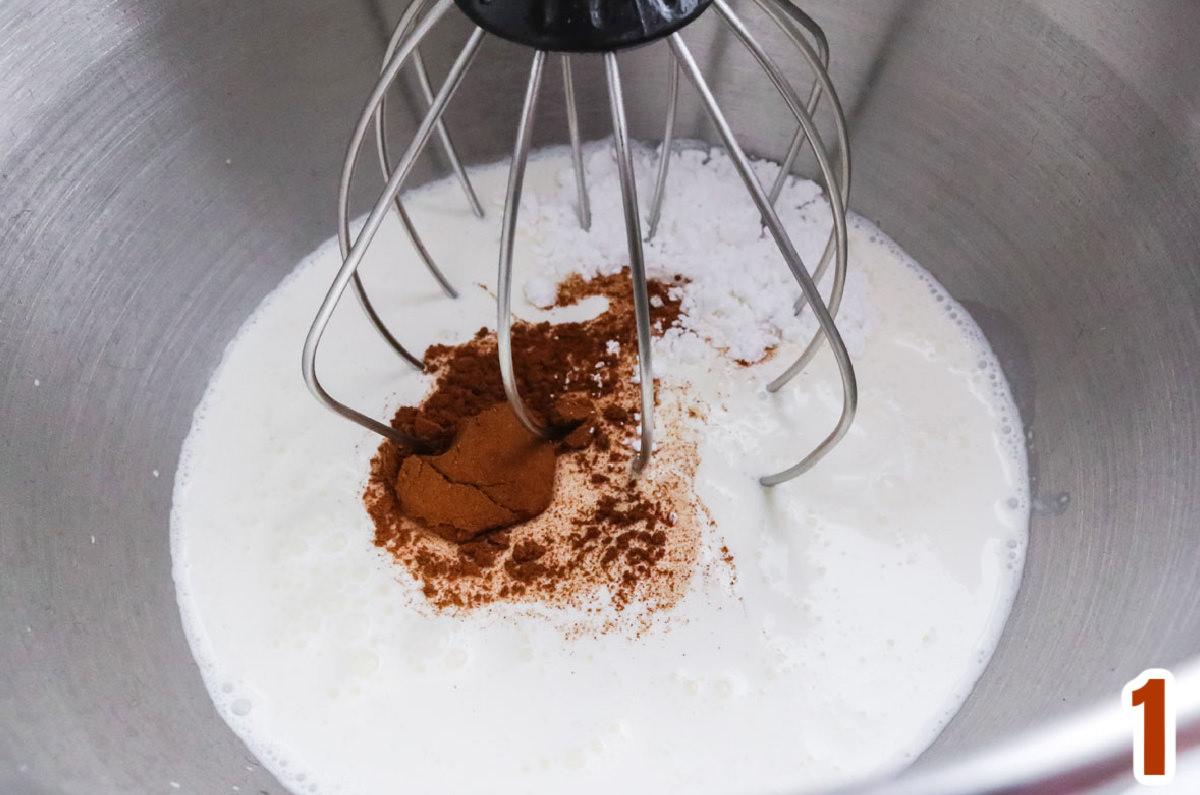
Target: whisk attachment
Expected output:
[601,26]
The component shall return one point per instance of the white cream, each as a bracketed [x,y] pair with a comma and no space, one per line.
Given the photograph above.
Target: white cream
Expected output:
[869,595]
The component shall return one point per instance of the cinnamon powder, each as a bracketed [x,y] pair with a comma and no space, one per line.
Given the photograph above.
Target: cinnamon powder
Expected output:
[494,475]
[469,525]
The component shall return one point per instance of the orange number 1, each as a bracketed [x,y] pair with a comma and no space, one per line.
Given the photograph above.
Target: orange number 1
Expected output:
[1154,738]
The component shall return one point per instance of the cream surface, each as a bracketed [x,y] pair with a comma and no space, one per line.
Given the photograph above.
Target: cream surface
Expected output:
[869,593]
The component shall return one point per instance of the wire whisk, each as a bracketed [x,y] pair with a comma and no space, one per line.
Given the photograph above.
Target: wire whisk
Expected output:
[599,28]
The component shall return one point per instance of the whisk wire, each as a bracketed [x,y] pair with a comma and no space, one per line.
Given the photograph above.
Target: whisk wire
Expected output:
[792,100]
[664,154]
[637,264]
[800,137]
[381,149]
[512,204]
[584,206]
[837,186]
[784,243]
[444,139]
[407,20]
[353,254]
[795,23]
[410,229]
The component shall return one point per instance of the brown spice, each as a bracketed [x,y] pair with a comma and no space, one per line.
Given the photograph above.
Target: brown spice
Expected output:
[664,297]
[635,540]
[495,474]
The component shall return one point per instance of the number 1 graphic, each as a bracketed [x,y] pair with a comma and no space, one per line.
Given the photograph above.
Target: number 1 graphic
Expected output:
[1150,700]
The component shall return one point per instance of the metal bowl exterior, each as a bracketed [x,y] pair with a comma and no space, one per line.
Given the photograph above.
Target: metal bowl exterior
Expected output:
[164,162]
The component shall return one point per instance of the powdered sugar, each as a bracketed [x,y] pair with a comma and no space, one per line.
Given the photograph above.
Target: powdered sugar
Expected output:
[739,295]
[540,292]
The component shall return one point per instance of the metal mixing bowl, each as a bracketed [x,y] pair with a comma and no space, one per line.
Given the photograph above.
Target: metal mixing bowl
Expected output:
[164,162]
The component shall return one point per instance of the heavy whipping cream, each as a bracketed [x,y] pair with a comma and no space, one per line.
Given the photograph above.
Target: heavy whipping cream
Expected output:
[864,599]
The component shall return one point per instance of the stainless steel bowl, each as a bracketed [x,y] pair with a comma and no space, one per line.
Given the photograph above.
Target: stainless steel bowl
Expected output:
[164,162]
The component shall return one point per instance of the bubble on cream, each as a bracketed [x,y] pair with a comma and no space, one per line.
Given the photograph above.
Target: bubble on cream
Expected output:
[869,593]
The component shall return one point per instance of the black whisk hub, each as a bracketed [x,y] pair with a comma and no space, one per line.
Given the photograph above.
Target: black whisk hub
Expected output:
[582,25]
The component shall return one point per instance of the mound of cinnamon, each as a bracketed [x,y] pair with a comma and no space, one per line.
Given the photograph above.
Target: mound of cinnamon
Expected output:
[495,474]
[505,516]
